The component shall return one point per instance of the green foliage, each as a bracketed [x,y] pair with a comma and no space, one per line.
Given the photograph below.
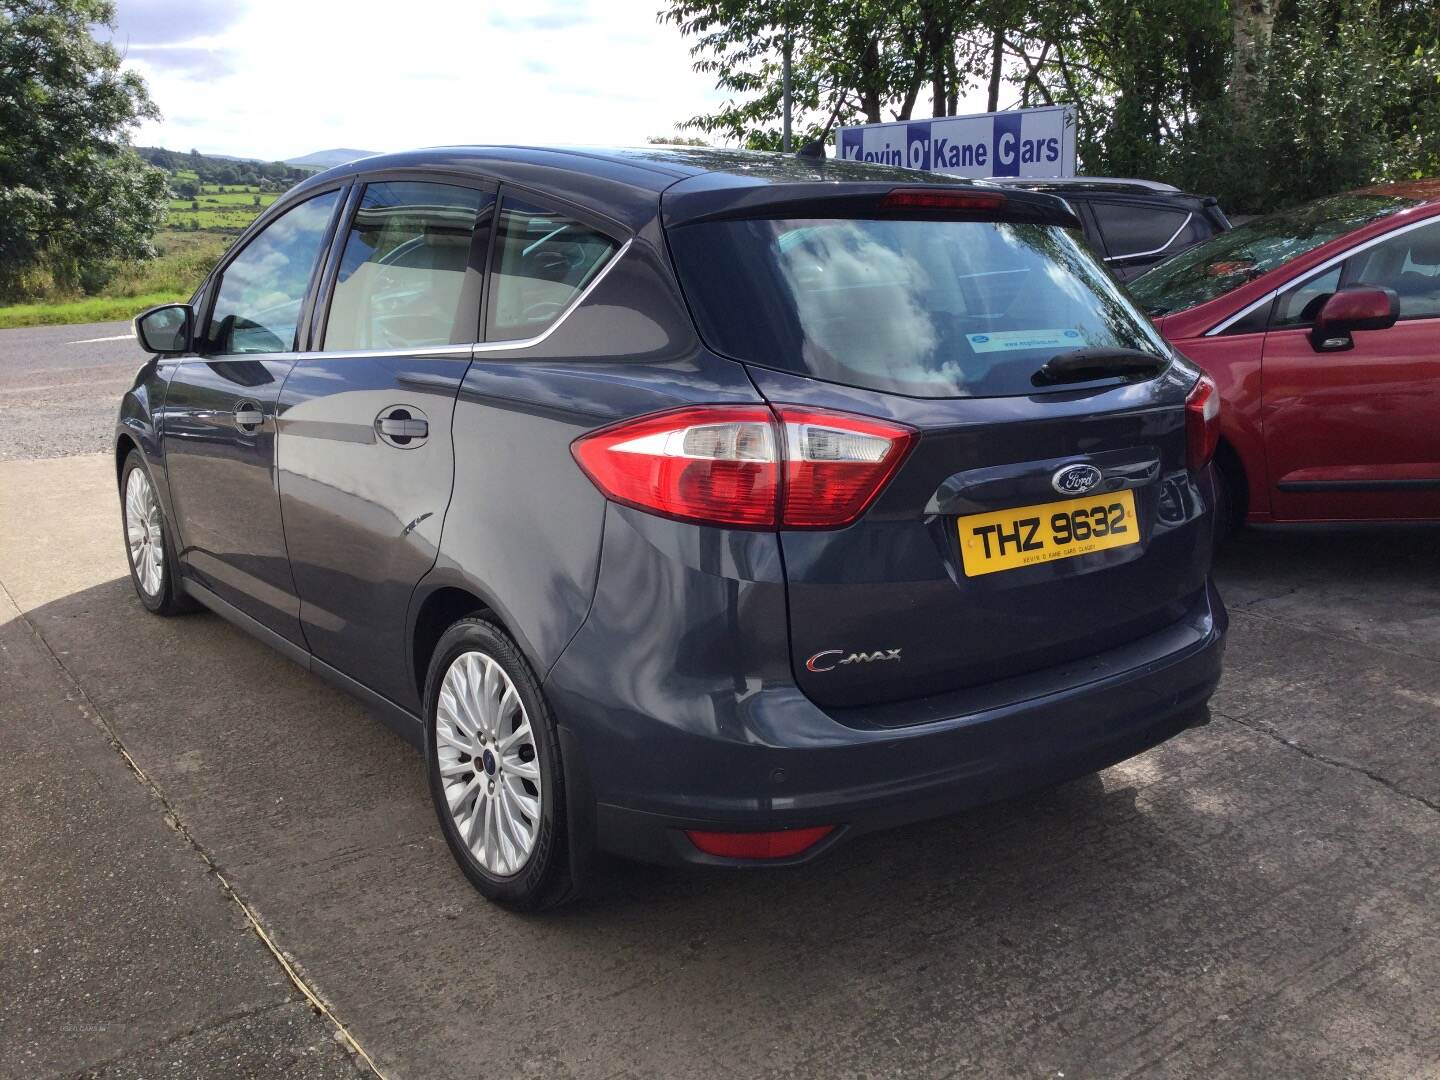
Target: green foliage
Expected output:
[74,198]
[183,261]
[1335,94]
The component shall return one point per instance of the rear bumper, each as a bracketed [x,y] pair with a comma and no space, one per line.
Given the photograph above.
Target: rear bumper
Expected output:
[767,758]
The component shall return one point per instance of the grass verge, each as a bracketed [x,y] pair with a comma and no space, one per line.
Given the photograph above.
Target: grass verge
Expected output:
[185,258]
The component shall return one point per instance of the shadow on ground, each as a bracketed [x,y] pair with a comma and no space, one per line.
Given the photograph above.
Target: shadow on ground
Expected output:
[1223,905]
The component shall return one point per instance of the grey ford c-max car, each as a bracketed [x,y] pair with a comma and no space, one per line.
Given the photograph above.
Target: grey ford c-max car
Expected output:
[695,507]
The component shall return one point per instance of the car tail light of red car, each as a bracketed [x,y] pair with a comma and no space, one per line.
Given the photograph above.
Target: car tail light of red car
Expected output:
[746,465]
[1202,422]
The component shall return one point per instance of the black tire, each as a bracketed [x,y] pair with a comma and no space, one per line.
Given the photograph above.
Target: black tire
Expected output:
[167,598]
[543,879]
[1227,513]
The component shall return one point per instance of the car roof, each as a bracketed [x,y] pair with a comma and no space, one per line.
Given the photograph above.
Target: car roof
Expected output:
[625,182]
[1422,191]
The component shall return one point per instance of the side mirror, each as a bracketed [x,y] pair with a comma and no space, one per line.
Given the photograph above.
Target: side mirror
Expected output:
[165,329]
[1355,307]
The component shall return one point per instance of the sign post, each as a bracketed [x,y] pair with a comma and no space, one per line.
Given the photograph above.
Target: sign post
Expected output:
[1036,143]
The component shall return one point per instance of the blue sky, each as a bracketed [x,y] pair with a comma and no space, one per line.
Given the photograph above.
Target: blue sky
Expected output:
[280,78]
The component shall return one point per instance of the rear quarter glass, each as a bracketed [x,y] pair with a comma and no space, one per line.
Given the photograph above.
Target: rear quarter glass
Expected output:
[929,309]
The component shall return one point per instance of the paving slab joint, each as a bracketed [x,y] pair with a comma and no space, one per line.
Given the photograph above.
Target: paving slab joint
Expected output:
[1261,728]
[173,819]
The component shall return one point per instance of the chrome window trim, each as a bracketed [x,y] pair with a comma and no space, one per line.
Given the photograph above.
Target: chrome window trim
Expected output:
[1154,251]
[472,348]
[1320,269]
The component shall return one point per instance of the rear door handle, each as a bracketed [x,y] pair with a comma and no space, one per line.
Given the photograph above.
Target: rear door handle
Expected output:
[404,429]
[248,416]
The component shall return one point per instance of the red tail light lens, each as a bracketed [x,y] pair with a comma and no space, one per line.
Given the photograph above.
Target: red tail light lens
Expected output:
[759,845]
[1202,422]
[746,465]
[835,464]
[718,464]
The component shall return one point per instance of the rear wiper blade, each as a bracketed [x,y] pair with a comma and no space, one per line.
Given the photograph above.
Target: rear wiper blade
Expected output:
[1082,365]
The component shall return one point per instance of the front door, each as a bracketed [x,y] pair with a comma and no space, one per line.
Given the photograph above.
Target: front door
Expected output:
[1355,435]
[366,458]
[218,422]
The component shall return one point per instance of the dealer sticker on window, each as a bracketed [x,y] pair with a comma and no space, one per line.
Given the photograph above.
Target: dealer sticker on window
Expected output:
[1012,340]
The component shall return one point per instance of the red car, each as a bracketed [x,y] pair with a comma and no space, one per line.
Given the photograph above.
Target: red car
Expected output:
[1321,326]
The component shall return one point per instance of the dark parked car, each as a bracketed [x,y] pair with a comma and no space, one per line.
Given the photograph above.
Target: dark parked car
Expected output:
[689,506]
[1321,327]
[1134,224]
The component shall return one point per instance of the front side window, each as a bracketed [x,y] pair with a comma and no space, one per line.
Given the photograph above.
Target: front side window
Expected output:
[925,308]
[1303,302]
[543,260]
[1136,230]
[402,271]
[1409,263]
[263,289]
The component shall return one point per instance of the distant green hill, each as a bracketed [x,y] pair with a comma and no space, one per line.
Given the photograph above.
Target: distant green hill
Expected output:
[195,167]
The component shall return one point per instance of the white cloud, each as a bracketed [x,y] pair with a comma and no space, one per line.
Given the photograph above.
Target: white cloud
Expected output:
[281,78]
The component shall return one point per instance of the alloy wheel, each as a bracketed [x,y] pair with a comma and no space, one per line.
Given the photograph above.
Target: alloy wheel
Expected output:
[143,532]
[489,764]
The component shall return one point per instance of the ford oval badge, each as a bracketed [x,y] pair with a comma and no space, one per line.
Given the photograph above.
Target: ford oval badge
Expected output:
[1076,479]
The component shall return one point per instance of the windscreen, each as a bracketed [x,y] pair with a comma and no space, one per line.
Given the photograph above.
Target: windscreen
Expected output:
[922,308]
[1232,258]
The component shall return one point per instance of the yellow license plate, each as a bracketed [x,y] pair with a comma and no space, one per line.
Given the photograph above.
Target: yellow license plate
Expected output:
[1030,535]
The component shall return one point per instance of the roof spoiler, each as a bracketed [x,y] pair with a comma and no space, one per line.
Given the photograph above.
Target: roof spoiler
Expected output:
[865,199]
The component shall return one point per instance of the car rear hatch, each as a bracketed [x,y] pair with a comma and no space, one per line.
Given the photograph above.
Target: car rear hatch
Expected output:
[1045,508]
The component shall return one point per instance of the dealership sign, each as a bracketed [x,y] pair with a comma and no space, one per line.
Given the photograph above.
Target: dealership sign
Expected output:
[1022,142]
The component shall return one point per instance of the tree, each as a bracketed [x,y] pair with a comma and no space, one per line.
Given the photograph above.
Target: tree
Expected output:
[1261,102]
[74,197]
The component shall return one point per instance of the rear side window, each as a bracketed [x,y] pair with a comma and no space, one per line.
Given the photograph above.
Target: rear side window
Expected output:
[263,288]
[543,260]
[1137,230]
[402,272]
[924,308]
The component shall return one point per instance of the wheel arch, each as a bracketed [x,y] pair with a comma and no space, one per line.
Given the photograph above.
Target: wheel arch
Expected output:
[439,609]
[1232,469]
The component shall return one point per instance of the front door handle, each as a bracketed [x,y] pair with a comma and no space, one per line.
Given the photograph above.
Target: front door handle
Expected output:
[248,416]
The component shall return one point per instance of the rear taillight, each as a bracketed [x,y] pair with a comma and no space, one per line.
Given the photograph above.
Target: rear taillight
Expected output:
[1202,422]
[746,465]
[835,464]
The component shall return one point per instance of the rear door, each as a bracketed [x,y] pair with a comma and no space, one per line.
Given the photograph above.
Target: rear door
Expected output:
[219,417]
[366,457]
[1353,435]
[980,559]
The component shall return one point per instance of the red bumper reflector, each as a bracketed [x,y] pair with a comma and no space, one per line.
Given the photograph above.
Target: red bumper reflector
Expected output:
[758,845]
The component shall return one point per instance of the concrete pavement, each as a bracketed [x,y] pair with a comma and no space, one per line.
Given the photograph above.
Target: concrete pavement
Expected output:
[1256,897]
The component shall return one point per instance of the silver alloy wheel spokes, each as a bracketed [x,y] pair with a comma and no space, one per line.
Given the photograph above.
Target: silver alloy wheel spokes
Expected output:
[143,532]
[489,763]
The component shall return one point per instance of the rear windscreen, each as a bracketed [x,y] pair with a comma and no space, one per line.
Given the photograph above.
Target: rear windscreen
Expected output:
[924,308]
